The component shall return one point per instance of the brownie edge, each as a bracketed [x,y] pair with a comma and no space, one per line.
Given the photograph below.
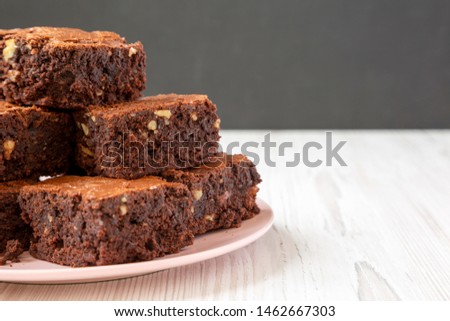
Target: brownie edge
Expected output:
[224,191]
[12,227]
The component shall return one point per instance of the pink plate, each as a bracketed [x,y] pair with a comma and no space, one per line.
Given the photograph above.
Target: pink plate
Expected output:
[207,246]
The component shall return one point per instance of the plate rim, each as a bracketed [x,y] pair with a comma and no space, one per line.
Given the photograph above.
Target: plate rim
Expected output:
[63,274]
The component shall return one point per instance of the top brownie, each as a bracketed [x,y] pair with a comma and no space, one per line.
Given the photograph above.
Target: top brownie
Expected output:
[69,68]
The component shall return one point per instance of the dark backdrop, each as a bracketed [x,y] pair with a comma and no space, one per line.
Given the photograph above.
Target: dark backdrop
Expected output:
[282,64]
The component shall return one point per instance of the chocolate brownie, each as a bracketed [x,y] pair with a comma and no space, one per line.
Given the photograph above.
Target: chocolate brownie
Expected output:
[69,68]
[83,221]
[33,142]
[12,227]
[224,191]
[146,136]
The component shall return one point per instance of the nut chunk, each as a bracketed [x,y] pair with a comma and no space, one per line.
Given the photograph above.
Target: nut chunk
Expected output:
[224,191]
[33,142]
[83,221]
[69,68]
[146,136]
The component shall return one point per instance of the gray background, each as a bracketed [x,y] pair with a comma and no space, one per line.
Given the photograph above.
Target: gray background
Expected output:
[282,64]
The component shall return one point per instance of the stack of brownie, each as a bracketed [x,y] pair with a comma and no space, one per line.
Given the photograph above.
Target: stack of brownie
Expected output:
[131,178]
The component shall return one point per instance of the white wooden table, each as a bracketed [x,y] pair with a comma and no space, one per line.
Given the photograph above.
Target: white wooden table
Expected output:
[376,229]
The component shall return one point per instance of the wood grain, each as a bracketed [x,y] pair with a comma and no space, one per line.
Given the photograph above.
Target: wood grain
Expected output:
[378,229]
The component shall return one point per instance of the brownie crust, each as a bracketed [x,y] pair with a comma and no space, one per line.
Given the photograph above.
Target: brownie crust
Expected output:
[69,68]
[224,191]
[33,142]
[147,136]
[12,227]
[85,221]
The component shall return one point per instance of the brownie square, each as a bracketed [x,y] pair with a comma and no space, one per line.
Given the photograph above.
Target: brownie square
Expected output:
[33,142]
[147,136]
[12,227]
[224,191]
[69,68]
[84,221]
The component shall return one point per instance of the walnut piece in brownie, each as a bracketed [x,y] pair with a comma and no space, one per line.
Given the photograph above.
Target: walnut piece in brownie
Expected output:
[224,191]
[84,221]
[33,142]
[146,136]
[69,68]
[12,227]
